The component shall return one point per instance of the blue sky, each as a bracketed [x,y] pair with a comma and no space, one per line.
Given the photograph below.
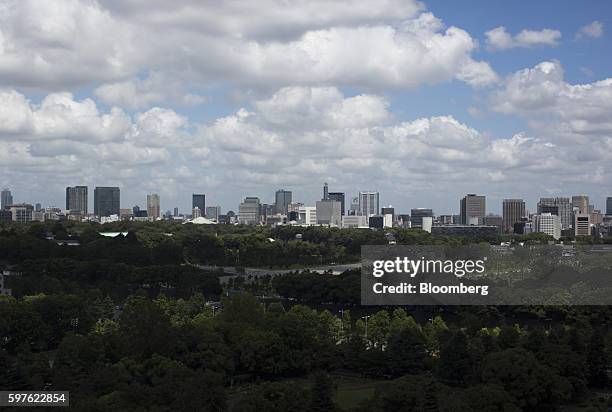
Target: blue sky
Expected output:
[422,101]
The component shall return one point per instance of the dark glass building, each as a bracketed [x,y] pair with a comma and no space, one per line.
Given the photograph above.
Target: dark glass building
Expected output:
[199,201]
[106,201]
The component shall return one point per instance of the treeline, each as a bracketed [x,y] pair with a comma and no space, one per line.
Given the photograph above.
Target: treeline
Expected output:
[161,243]
[179,354]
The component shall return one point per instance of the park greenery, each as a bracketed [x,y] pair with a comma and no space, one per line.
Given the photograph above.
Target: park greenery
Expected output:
[132,323]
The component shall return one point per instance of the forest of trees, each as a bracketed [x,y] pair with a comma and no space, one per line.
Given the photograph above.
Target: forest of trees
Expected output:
[127,324]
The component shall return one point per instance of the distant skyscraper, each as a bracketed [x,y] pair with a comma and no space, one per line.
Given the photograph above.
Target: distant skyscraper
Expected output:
[325,192]
[609,206]
[176,212]
[338,197]
[581,202]
[6,198]
[388,214]
[283,198]
[582,224]
[107,201]
[249,211]
[368,203]
[213,213]
[513,212]
[76,199]
[354,210]
[559,206]
[153,208]
[417,215]
[199,201]
[472,206]
[328,212]
[549,224]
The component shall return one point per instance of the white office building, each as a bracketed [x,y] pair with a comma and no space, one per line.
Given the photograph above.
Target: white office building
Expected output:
[549,224]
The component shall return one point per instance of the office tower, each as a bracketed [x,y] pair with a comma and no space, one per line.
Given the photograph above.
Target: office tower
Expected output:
[368,203]
[282,200]
[338,197]
[328,212]
[559,206]
[176,212]
[354,208]
[473,209]
[548,223]
[582,224]
[494,220]
[76,199]
[388,214]
[445,220]
[249,211]
[37,207]
[153,208]
[21,213]
[6,198]
[196,213]
[513,211]
[308,215]
[581,202]
[417,215]
[106,201]
[213,213]
[325,192]
[609,206]
[199,201]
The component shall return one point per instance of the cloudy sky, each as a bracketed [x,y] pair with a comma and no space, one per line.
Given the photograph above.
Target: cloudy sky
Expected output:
[422,101]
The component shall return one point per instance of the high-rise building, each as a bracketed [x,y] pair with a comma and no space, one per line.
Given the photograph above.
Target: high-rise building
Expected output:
[548,223]
[213,213]
[473,209]
[609,206]
[338,197]
[325,191]
[6,198]
[581,202]
[417,215]
[582,224]
[559,206]
[249,211]
[388,214]
[513,211]
[153,207]
[199,201]
[176,212]
[307,215]
[282,200]
[368,203]
[107,201]
[354,208]
[328,213]
[76,199]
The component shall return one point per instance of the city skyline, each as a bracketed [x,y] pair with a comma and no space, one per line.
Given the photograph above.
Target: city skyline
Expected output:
[487,208]
[512,101]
